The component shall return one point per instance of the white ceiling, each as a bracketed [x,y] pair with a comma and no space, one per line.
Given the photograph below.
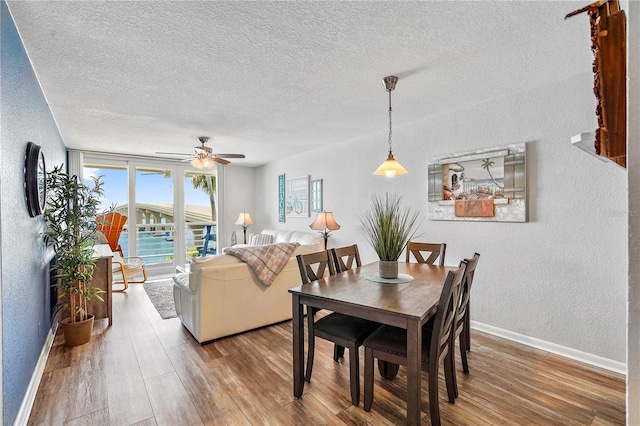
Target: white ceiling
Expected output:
[271,79]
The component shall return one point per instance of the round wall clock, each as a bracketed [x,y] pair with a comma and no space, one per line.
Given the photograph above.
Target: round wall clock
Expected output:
[35,179]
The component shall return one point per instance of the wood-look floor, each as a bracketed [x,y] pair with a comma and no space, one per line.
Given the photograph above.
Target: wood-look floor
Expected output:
[147,371]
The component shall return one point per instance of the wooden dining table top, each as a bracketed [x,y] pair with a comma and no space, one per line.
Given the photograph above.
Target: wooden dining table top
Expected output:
[354,292]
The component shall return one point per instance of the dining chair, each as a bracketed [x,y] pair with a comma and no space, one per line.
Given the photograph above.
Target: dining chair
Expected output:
[343,330]
[433,252]
[344,258]
[462,326]
[389,344]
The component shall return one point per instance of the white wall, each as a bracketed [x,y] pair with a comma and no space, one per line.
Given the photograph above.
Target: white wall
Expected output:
[561,277]
[239,196]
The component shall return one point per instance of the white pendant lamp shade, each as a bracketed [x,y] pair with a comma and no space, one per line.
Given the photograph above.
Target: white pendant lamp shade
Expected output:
[390,167]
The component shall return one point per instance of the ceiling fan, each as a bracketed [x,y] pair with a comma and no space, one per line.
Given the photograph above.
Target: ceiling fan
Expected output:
[203,157]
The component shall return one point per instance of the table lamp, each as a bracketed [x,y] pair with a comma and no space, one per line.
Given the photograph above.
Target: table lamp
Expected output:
[244,220]
[325,223]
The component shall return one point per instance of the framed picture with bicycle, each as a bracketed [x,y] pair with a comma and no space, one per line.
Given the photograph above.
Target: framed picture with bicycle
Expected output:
[281,204]
[297,197]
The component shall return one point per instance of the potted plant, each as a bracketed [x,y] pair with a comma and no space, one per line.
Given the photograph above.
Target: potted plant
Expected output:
[71,230]
[388,227]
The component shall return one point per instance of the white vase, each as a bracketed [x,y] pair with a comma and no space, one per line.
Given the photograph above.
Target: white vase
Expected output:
[388,269]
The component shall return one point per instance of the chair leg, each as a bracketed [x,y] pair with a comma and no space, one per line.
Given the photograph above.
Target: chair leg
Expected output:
[125,281]
[368,378]
[312,344]
[354,372]
[387,369]
[450,376]
[144,276]
[463,354]
[467,328]
[338,352]
[434,408]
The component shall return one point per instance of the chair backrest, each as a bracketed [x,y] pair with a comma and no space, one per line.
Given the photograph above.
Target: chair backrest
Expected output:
[446,314]
[314,265]
[434,251]
[345,257]
[111,226]
[465,291]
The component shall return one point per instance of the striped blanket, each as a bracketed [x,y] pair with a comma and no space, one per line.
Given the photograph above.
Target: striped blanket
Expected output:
[265,261]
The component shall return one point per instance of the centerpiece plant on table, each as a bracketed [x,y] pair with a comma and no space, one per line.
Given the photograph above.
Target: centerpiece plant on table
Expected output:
[70,216]
[388,226]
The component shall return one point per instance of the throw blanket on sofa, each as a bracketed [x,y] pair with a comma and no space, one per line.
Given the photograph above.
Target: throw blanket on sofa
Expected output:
[266,261]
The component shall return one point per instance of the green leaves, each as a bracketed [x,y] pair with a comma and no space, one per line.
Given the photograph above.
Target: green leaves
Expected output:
[70,216]
[389,226]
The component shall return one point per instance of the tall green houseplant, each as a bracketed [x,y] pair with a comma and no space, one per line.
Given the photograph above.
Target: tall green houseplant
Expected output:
[71,230]
[388,226]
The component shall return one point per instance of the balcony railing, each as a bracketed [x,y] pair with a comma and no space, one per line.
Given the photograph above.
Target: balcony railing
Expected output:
[155,241]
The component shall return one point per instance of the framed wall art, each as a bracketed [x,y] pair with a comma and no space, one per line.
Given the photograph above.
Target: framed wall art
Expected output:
[316,195]
[281,203]
[297,197]
[483,185]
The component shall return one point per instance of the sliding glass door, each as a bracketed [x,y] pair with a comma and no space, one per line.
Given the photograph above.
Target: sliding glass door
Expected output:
[171,209]
[200,207]
[154,215]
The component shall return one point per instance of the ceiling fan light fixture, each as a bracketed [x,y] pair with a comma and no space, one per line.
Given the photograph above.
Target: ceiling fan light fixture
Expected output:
[207,162]
[390,167]
[197,163]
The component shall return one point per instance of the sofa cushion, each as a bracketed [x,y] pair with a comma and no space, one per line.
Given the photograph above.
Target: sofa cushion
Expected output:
[295,237]
[182,279]
[260,239]
[305,238]
[282,237]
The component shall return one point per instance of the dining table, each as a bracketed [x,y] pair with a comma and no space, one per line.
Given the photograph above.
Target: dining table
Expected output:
[407,302]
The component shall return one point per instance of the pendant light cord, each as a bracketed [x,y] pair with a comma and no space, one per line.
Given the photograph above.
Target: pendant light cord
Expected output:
[390,151]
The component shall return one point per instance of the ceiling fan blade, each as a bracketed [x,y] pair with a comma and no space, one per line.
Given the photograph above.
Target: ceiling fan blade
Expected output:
[172,153]
[219,160]
[229,155]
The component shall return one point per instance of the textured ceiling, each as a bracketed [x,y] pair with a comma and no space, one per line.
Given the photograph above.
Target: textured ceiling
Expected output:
[271,79]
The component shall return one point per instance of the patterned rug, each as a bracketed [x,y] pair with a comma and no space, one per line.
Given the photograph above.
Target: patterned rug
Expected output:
[161,295]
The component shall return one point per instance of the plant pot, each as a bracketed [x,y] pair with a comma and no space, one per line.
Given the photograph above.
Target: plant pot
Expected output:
[77,333]
[388,269]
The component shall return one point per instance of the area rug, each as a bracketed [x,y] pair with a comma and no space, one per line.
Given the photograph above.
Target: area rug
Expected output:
[161,295]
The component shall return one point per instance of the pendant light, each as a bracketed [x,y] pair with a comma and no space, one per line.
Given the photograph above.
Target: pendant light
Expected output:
[390,167]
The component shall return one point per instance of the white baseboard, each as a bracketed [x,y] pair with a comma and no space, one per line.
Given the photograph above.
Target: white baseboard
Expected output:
[32,389]
[597,361]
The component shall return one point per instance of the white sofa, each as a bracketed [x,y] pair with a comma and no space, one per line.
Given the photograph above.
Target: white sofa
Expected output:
[221,295]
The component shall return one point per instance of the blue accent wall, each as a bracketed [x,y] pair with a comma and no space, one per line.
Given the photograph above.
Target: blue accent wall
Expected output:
[24,278]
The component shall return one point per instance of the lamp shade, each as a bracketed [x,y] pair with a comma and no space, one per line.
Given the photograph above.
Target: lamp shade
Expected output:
[324,220]
[390,167]
[244,219]
[197,163]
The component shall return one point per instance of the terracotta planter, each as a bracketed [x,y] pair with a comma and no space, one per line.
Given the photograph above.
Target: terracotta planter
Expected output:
[388,269]
[77,333]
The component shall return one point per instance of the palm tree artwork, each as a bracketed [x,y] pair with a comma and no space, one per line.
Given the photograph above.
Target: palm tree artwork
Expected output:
[486,165]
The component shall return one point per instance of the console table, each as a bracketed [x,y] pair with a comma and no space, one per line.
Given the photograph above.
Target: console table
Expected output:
[102,279]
